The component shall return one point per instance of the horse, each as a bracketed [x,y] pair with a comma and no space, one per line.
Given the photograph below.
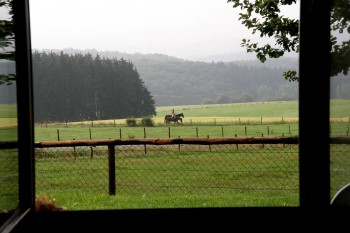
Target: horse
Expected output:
[170,118]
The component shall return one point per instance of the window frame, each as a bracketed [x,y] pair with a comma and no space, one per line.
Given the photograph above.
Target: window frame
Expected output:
[314,70]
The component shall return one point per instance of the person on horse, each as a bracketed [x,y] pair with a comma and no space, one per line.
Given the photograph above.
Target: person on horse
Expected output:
[173,115]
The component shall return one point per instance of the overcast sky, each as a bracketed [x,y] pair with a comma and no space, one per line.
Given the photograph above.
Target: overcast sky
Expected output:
[181,28]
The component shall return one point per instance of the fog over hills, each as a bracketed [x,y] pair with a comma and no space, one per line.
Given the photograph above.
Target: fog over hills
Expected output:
[241,58]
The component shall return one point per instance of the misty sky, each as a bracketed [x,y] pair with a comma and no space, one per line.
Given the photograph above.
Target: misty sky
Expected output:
[181,28]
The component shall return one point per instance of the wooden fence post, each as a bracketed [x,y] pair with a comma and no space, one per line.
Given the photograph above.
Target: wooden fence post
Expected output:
[111,169]
[209,144]
[58,134]
[144,136]
[74,152]
[91,152]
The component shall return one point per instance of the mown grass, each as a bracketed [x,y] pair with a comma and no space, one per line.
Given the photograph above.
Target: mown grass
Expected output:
[8,110]
[225,120]
[174,131]
[253,109]
[55,133]
[172,179]
[9,187]
[230,120]
[247,176]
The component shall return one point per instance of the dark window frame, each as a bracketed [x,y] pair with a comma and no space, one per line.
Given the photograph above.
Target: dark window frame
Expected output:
[314,84]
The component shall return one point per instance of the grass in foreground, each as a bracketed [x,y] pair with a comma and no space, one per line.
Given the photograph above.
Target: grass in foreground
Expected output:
[167,178]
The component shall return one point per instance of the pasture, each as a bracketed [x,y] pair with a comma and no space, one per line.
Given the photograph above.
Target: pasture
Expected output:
[60,176]
[8,122]
[165,177]
[265,119]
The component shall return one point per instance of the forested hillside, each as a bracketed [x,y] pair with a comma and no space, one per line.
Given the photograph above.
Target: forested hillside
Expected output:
[82,87]
[187,82]
[174,81]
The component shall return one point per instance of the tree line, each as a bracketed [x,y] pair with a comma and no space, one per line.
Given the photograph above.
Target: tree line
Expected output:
[174,81]
[80,87]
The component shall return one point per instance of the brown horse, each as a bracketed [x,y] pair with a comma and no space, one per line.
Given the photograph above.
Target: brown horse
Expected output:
[170,118]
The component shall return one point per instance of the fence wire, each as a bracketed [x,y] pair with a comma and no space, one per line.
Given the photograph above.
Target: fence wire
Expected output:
[202,169]
[170,168]
[8,179]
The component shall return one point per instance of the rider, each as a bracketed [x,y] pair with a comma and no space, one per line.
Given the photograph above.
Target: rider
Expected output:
[173,115]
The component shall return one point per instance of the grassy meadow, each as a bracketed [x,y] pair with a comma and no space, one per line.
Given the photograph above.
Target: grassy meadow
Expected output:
[257,119]
[8,122]
[73,182]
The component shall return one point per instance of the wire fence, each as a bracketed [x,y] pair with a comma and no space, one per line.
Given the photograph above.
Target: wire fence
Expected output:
[265,167]
[170,166]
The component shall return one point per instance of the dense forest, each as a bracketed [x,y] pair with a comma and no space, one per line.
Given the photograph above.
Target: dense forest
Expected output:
[82,87]
[175,81]
[163,79]
[188,82]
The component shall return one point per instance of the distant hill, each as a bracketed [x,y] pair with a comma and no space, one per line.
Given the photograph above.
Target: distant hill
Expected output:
[116,54]
[175,81]
[238,57]
[241,58]
[187,82]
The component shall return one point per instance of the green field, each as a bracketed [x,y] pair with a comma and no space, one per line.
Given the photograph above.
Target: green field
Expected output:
[8,122]
[8,111]
[267,119]
[168,178]
[144,181]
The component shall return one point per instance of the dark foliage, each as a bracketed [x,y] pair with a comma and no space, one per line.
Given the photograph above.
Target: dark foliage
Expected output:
[7,42]
[81,87]
[265,17]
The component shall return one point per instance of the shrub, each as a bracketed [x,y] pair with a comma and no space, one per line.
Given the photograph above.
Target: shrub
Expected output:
[147,121]
[131,121]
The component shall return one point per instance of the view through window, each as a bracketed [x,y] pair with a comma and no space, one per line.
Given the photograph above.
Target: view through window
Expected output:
[9,189]
[109,76]
[340,95]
